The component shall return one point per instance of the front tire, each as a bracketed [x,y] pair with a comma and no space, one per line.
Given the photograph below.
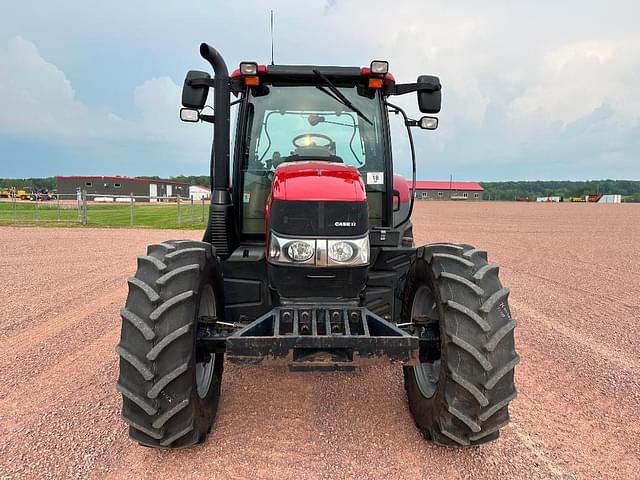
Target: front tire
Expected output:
[170,388]
[460,391]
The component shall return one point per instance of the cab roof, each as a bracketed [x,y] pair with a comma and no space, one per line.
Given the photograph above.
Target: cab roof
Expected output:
[305,74]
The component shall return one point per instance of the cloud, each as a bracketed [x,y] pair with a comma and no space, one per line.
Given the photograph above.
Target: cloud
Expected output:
[40,105]
[526,91]
[39,101]
[577,79]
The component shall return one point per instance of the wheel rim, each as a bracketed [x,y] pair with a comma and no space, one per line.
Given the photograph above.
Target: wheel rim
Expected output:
[205,369]
[426,373]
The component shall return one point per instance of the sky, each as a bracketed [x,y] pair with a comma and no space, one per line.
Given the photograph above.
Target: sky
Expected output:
[531,90]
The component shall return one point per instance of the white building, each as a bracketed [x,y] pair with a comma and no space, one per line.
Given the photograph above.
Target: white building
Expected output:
[199,192]
[553,199]
[610,199]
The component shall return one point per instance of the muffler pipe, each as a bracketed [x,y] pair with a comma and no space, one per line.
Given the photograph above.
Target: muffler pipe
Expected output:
[222,229]
[221,125]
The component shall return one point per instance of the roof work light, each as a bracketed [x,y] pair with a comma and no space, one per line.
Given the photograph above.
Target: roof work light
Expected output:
[379,67]
[249,68]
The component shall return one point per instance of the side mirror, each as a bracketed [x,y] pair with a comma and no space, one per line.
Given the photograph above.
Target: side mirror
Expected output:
[195,89]
[429,100]
[428,123]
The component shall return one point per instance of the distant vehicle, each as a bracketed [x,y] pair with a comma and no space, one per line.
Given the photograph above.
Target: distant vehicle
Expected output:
[5,193]
[23,193]
[40,195]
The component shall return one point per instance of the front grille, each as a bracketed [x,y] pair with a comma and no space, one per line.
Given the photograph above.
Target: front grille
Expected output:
[319,218]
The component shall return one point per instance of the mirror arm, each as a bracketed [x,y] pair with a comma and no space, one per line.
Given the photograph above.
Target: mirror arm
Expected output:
[397,109]
[207,118]
[201,82]
[402,88]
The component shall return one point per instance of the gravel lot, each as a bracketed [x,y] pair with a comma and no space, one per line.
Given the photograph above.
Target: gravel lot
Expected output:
[574,275]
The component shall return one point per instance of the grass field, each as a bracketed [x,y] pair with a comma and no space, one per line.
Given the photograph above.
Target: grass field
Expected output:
[106,215]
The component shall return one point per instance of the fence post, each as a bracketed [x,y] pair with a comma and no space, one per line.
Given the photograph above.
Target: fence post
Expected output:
[13,190]
[179,212]
[202,209]
[37,209]
[131,208]
[79,201]
[84,207]
[193,213]
[58,203]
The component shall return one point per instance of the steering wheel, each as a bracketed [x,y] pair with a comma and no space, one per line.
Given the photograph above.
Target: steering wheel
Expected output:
[296,140]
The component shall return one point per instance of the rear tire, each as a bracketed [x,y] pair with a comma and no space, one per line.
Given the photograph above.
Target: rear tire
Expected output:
[170,389]
[459,395]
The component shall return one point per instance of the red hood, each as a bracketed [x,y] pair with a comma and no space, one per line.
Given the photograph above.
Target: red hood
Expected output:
[317,180]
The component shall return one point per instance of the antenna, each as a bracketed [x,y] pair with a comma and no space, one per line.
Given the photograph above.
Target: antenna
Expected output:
[271,37]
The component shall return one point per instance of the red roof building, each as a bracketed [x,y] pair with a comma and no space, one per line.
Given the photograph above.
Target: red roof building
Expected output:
[445,190]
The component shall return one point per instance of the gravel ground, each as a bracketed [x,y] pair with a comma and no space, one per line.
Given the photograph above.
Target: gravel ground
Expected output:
[574,274]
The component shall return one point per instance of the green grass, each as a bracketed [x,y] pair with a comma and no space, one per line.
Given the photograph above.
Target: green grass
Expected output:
[106,215]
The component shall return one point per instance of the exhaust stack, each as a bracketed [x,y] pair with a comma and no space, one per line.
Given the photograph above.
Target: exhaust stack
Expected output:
[221,231]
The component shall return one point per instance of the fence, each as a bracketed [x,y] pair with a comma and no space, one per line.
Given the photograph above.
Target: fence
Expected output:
[106,210]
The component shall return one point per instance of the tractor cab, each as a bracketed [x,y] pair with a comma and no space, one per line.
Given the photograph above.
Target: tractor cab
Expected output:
[291,114]
[288,122]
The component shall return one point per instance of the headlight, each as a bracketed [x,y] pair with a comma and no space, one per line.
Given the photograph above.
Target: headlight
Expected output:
[321,252]
[341,252]
[348,252]
[300,251]
[292,250]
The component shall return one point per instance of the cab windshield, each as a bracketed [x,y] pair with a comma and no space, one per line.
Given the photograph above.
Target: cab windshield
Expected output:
[298,123]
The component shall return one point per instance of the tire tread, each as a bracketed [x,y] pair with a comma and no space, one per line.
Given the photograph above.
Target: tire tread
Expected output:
[157,331]
[477,385]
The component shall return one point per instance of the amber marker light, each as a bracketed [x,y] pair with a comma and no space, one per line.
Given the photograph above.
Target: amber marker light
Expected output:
[375,83]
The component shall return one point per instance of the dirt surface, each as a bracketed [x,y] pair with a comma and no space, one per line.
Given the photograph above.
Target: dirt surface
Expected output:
[574,275]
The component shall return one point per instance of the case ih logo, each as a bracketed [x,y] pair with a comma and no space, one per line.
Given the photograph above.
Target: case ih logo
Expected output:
[344,224]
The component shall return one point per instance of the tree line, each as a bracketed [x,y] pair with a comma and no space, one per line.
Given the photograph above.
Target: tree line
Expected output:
[629,189]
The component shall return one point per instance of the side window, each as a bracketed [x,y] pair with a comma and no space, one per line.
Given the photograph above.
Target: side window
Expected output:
[256,177]
[476,195]
[439,194]
[232,134]
[465,195]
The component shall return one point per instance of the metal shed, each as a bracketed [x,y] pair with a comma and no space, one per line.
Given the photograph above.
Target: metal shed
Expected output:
[154,189]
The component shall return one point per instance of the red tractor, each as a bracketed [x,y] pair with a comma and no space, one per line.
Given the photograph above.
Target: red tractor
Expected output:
[309,260]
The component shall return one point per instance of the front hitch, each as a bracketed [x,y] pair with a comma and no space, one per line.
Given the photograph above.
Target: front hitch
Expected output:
[314,337]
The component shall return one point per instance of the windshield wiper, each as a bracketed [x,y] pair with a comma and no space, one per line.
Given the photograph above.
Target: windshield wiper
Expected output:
[338,96]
